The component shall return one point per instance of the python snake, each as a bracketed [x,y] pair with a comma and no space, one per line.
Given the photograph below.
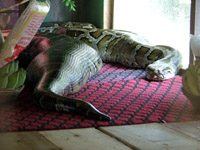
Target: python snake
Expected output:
[161,62]
[60,64]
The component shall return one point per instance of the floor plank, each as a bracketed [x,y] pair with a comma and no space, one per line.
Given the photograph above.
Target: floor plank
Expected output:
[25,141]
[189,128]
[152,137]
[83,139]
[173,136]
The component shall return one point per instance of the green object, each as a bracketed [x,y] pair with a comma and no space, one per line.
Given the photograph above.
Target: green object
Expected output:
[9,68]
[13,67]
[11,77]
[22,78]
[2,40]
[3,82]
[13,80]
[70,3]
[4,70]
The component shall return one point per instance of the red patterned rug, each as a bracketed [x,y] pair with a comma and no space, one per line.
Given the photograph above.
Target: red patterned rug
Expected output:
[120,92]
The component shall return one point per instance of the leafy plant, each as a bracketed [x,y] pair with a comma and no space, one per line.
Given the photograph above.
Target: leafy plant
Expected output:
[70,4]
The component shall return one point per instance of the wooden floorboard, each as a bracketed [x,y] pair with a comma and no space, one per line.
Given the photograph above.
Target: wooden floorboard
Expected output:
[189,128]
[25,141]
[172,136]
[83,139]
[156,136]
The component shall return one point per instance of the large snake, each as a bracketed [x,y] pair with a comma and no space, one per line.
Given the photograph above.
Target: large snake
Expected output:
[63,64]
[160,62]
[59,65]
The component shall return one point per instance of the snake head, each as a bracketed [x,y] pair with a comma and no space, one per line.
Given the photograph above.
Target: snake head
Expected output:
[160,71]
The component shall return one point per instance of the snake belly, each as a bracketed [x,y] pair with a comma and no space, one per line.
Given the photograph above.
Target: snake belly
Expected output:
[160,62]
[60,65]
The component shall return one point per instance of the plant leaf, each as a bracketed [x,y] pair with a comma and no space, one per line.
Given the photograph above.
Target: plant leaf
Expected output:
[70,4]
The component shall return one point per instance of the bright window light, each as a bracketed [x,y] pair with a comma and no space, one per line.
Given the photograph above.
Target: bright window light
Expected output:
[162,22]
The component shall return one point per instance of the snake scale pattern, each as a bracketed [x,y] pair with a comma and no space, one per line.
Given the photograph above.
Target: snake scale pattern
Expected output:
[61,65]
[161,62]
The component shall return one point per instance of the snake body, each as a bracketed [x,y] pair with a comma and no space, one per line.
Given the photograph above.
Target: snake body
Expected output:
[160,62]
[60,64]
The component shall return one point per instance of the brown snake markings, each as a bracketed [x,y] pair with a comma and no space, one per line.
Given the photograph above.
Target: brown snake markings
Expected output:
[160,62]
[64,64]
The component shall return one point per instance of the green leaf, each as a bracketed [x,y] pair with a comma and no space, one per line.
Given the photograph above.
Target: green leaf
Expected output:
[70,4]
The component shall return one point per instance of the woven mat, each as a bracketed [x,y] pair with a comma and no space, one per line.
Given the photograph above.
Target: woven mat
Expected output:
[120,92]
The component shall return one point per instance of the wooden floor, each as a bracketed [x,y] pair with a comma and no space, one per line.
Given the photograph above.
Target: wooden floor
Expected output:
[171,136]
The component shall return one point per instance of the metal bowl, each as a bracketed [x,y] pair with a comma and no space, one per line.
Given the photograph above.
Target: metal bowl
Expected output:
[7,95]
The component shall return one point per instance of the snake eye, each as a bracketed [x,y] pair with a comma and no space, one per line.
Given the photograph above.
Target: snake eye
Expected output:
[169,71]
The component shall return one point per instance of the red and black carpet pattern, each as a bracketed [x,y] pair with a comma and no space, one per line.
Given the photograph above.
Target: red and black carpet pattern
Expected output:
[120,92]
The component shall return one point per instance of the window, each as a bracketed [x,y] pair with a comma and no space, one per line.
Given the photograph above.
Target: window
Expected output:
[162,22]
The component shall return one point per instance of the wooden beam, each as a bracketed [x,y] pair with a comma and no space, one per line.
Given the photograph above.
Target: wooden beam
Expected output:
[12,11]
[108,14]
[12,6]
[194,23]
[192,16]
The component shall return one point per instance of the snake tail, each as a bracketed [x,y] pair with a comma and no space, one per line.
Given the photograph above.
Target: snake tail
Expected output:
[51,101]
